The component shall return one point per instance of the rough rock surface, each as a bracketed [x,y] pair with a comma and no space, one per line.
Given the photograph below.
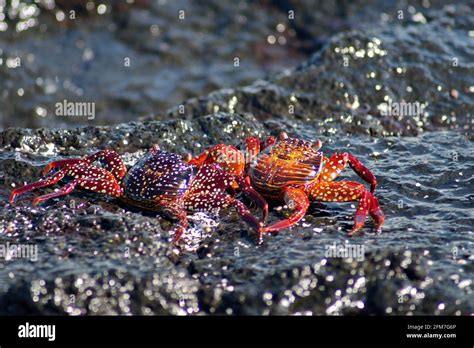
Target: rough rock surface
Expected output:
[349,83]
[97,256]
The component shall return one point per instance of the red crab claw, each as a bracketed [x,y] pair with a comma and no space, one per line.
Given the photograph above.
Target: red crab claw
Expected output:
[208,192]
[111,159]
[232,161]
[87,176]
[270,141]
[252,149]
[297,199]
[253,146]
[228,157]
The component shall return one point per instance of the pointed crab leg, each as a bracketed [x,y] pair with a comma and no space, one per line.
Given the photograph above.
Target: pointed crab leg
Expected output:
[376,213]
[339,161]
[179,213]
[100,185]
[65,190]
[112,161]
[347,191]
[253,195]
[85,176]
[361,170]
[362,210]
[60,164]
[35,185]
[297,200]
[244,213]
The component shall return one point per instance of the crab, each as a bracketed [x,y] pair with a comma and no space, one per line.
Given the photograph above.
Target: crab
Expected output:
[294,172]
[159,181]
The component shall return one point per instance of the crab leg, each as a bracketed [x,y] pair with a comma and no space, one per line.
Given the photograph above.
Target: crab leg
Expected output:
[180,214]
[208,193]
[297,200]
[253,195]
[85,176]
[244,213]
[227,156]
[253,146]
[99,185]
[347,191]
[63,163]
[112,160]
[35,185]
[376,213]
[65,190]
[232,161]
[361,170]
[339,161]
[200,159]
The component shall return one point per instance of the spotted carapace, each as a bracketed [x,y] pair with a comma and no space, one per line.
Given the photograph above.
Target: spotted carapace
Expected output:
[294,172]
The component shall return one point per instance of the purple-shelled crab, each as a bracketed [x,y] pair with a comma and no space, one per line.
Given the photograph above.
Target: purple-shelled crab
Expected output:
[160,181]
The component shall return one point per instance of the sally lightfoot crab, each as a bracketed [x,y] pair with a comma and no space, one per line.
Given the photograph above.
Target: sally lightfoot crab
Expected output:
[293,171]
[159,181]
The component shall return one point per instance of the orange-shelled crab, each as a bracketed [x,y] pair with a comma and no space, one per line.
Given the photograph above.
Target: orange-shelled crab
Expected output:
[294,172]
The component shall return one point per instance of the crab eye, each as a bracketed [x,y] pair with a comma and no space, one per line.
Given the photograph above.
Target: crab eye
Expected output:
[283,136]
[317,144]
[187,157]
[155,148]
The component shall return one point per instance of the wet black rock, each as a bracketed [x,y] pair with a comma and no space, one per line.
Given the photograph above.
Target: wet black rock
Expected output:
[97,256]
[92,57]
[350,84]
[166,46]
